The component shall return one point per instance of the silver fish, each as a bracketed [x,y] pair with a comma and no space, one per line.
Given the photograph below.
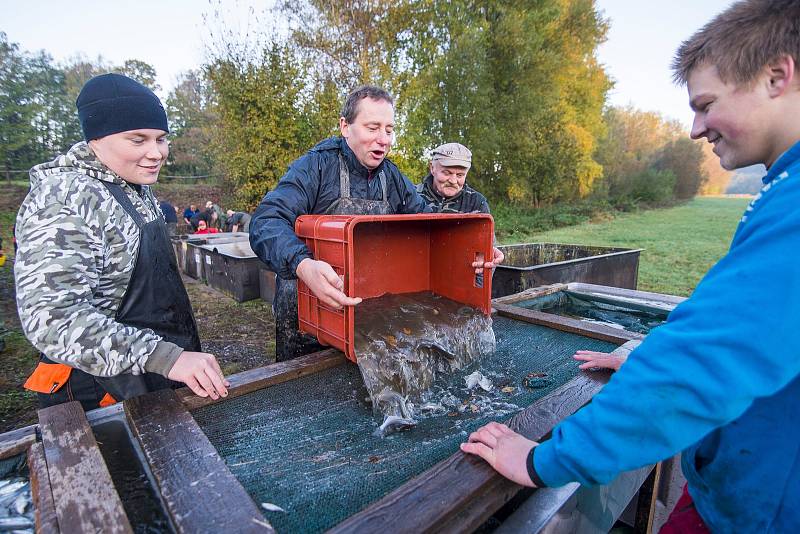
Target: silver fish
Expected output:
[21,503]
[477,379]
[15,523]
[268,506]
[393,424]
[392,402]
[8,489]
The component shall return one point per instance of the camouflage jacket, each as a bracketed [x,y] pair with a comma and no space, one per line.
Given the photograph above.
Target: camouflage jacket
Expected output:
[77,251]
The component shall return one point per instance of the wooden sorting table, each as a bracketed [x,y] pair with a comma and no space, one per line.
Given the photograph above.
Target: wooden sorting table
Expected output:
[73,491]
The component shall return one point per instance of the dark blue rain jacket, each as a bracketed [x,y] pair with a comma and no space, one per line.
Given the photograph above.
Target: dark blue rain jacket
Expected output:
[310,186]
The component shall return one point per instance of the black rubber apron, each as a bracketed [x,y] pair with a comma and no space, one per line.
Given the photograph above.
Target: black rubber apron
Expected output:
[156,299]
[289,341]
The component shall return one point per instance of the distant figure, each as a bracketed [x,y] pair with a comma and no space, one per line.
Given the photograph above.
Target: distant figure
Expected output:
[203,228]
[2,326]
[190,213]
[219,221]
[170,217]
[238,221]
[445,189]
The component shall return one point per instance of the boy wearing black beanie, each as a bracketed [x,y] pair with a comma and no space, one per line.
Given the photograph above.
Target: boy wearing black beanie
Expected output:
[98,290]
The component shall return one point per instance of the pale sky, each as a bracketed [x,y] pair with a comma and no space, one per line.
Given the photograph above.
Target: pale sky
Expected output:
[170,35]
[643,38]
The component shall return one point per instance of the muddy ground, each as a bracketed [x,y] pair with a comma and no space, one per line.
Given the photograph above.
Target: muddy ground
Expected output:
[241,335]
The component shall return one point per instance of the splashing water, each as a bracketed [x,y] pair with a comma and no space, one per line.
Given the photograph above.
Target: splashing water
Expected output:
[404,342]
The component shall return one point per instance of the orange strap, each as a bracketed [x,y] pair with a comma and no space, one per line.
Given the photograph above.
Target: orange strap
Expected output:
[107,400]
[48,377]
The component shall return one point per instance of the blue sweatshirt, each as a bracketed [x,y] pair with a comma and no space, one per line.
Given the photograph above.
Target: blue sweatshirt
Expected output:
[719,381]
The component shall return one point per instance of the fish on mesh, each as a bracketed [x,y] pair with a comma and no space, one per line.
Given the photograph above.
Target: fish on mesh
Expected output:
[477,379]
[393,424]
[399,415]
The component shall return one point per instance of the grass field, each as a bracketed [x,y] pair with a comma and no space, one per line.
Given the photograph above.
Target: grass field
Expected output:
[680,243]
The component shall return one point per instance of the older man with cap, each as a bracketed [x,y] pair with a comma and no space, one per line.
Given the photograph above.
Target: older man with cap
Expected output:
[445,188]
[98,290]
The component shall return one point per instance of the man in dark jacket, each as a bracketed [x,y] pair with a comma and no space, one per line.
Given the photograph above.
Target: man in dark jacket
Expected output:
[341,175]
[238,221]
[445,188]
[170,217]
[190,213]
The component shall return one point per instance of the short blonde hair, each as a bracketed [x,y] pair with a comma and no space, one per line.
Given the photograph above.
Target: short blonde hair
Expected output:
[741,40]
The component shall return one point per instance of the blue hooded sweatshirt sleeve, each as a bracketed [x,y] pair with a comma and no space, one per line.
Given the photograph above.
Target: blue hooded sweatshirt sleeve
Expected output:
[726,358]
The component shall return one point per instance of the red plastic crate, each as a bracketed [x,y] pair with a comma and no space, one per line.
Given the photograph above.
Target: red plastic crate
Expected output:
[379,254]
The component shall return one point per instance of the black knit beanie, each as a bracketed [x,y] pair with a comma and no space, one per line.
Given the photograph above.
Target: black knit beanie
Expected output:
[112,103]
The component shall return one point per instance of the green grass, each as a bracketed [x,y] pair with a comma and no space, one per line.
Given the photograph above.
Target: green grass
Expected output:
[681,243]
[514,222]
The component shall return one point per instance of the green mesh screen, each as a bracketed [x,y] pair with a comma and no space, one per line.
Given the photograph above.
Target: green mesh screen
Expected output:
[631,316]
[307,445]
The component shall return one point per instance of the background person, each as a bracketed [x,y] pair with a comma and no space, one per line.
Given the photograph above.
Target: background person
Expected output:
[238,221]
[98,290]
[170,217]
[218,221]
[203,228]
[190,213]
[445,188]
[720,380]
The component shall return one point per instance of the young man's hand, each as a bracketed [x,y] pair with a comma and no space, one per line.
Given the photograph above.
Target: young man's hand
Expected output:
[497,259]
[323,281]
[599,360]
[505,450]
[201,373]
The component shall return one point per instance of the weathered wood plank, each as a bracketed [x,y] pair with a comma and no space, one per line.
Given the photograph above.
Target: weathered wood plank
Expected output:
[461,492]
[567,324]
[17,441]
[198,489]
[83,493]
[44,509]
[261,377]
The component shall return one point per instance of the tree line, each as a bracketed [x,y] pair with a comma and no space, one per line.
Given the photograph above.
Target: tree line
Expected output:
[519,83]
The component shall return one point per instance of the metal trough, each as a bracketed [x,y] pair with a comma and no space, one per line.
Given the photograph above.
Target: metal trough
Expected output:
[189,259]
[529,265]
[232,268]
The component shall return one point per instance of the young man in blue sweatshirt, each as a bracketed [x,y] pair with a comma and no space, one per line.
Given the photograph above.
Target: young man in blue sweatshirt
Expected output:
[720,380]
